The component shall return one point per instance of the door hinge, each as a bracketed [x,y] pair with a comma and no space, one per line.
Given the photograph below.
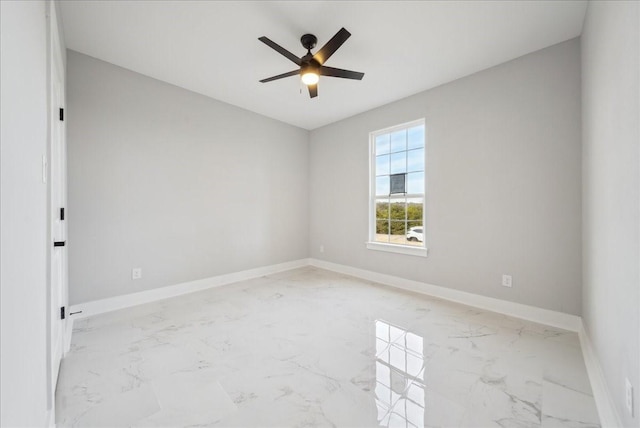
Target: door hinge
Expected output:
[62,114]
[62,315]
[61,213]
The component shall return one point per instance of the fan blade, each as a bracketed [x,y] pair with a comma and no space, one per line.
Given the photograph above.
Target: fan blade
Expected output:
[313,90]
[280,76]
[332,46]
[338,72]
[273,45]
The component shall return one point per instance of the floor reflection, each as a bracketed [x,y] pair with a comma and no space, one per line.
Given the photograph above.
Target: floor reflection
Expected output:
[399,376]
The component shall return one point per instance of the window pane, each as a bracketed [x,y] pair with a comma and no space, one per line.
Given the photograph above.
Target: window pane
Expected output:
[399,141]
[415,182]
[398,210]
[398,231]
[415,230]
[398,183]
[413,240]
[414,210]
[382,165]
[382,222]
[382,186]
[382,144]
[416,137]
[382,231]
[399,163]
[415,160]
[415,226]
[382,209]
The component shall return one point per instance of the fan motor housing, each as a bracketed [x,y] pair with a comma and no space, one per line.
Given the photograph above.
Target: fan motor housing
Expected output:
[308,41]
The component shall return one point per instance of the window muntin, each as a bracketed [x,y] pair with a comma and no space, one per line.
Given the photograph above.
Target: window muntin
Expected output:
[398,185]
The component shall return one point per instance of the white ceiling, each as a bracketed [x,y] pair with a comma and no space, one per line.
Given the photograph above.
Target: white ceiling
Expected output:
[403,48]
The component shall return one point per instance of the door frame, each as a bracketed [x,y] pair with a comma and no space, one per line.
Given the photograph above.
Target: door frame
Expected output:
[57,182]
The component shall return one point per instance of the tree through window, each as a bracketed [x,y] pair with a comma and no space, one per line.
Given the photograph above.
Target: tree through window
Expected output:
[398,185]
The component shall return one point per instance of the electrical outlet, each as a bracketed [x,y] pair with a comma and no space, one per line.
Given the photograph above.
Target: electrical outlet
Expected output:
[136,273]
[322,248]
[507,280]
[629,396]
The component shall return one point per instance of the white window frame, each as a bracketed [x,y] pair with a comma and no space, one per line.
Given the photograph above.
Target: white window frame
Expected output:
[388,247]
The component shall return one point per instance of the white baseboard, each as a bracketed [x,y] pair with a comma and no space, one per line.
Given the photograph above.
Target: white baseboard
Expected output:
[120,302]
[50,418]
[518,310]
[606,408]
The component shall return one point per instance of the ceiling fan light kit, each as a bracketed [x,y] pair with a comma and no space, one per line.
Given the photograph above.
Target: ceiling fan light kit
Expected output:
[312,65]
[310,77]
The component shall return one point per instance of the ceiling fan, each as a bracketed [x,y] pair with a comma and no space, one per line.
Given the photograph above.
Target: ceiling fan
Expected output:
[312,65]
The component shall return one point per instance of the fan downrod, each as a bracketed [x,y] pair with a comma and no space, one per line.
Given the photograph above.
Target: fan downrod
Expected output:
[308,41]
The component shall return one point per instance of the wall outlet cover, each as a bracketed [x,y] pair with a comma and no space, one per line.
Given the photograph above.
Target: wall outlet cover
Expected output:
[136,273]
[507,280]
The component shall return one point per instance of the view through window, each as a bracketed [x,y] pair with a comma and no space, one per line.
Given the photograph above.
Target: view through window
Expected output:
[398,183]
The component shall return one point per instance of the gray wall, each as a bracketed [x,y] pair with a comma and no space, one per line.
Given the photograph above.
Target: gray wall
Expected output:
[178,184]
[611,202]
[503,186]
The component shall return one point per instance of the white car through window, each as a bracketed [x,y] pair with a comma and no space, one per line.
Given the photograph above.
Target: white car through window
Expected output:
[415,234]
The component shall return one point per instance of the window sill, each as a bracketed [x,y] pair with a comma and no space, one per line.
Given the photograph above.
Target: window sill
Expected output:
[399,249]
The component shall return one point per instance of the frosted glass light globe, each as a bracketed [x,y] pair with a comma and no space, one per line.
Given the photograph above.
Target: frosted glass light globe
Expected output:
[310,78]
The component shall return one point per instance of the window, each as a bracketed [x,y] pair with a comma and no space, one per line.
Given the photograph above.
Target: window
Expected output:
[397,183]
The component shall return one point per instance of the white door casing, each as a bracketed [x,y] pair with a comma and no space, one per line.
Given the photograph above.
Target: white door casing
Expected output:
[58,196]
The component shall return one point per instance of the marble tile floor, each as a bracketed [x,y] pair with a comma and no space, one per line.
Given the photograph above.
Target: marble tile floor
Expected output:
[310,347]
